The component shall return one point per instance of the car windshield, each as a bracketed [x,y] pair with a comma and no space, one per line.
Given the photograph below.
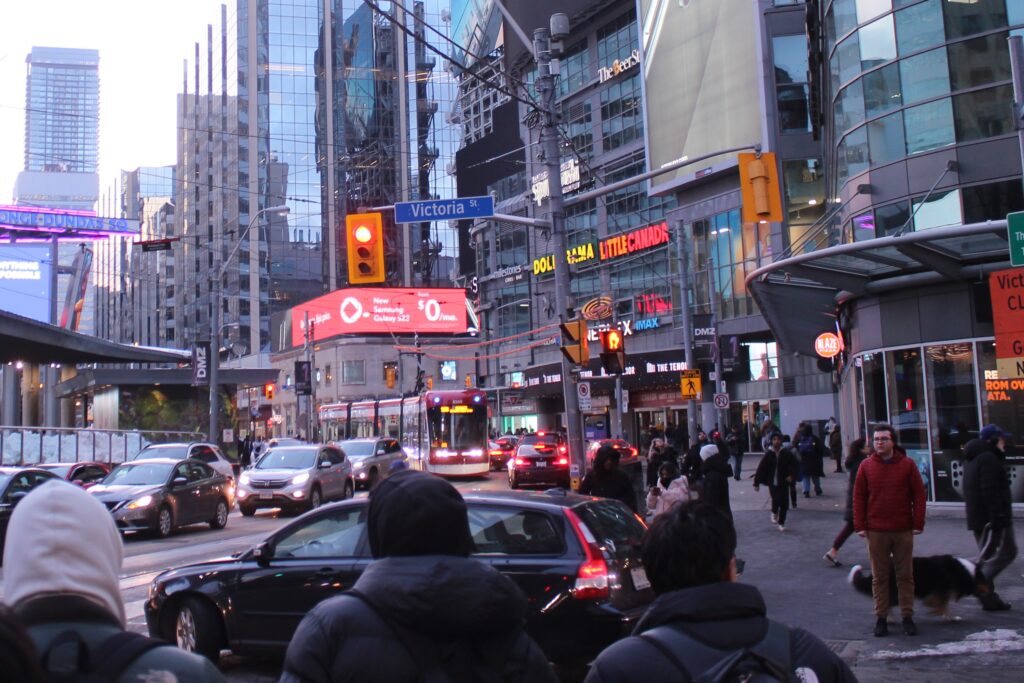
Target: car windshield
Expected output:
[358,449]
[287,459]
[138,475]
[179,452]
[4,478]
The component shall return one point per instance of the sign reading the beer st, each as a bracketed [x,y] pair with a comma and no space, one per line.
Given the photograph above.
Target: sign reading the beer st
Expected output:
[1007,290]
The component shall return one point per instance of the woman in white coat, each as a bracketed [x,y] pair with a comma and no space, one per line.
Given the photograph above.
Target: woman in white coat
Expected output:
[670,490]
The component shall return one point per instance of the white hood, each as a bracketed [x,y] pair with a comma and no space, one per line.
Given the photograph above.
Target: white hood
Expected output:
[62,541]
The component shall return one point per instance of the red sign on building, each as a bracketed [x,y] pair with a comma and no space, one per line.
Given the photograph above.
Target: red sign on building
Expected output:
[1007,290]
[381,310]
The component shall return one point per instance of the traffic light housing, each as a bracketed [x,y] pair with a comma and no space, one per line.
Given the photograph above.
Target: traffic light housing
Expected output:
[389,376]
[268,391]
[759,180]
[364,236]
[613,352]
[575,345]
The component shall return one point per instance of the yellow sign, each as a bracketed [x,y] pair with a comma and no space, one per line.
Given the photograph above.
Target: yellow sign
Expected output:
[689,385]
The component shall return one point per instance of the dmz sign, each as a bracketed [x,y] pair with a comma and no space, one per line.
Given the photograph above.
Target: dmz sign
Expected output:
[444,209]
[201,364]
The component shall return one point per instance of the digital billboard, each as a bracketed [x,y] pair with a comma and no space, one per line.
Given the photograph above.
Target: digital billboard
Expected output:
[25,280]
[702,82]
[381,310]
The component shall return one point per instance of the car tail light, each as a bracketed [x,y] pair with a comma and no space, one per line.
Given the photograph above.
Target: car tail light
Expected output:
[563,449]
[521,462]
[633,452]
[592,576]
[562,461]
[494,451]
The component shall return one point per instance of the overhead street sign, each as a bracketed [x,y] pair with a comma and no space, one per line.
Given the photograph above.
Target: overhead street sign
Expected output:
[444,209]
[1015,233]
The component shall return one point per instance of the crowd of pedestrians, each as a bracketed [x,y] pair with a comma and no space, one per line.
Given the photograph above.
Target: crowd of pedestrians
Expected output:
[424,610]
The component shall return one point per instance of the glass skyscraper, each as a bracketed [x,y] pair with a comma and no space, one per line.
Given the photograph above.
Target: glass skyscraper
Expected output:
[62,110]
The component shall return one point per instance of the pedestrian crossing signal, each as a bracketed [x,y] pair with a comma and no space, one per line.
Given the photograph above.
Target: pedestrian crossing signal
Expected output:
[613,352]
[268,391]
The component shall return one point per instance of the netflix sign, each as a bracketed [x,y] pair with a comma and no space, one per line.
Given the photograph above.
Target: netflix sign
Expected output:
[380,310]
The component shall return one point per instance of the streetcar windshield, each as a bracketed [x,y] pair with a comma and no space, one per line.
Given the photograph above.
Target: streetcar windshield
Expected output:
[458,426]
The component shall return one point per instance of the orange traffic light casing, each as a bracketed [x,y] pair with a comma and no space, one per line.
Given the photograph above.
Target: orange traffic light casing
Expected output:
[364,236]
[759,180]
[268,391]
[389,376]
[613,351]
[575,344]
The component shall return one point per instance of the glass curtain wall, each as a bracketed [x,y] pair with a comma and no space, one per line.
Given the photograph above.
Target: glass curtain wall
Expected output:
[938,397]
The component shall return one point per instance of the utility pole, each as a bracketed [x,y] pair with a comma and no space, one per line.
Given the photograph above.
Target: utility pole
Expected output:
[683,254]
[552,157]
[310,327]
[1017,71]
[214,359]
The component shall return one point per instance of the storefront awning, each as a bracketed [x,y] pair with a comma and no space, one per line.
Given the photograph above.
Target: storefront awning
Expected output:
[799,295]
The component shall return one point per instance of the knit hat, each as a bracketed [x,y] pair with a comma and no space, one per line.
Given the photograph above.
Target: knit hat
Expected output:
[707,451]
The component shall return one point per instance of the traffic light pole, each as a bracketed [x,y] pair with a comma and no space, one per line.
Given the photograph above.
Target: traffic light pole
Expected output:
[552,157]
[683,253]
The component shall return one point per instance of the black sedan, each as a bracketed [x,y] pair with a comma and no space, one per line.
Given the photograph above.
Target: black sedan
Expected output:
[575,557]
[15,483]
[541,459]
[161,494]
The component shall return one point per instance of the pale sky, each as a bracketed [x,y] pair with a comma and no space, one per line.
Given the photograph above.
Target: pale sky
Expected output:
[142,44]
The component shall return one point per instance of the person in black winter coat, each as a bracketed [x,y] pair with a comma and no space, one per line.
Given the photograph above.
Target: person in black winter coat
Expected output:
[607,480]
[717,473]
[691,466]
[812,455]
[854,457]
[688,554]
[989,507]
[423,609]
[776,470]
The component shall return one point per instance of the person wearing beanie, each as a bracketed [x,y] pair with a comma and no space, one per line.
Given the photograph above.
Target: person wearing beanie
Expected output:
[607,480]
[62,566]
[423,608]
[989,504]
[716,473]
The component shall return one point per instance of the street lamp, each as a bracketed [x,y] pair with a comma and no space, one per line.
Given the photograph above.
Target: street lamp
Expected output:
[216,294]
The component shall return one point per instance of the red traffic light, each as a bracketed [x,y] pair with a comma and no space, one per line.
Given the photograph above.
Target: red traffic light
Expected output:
[268,390]
[363,234]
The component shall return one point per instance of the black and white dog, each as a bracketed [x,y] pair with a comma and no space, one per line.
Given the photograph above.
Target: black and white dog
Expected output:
[938,580]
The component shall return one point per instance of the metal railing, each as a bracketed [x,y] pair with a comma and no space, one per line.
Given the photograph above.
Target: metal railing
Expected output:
[29,445]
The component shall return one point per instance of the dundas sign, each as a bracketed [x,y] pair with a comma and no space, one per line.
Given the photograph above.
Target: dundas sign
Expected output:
[609,248]
[617,67]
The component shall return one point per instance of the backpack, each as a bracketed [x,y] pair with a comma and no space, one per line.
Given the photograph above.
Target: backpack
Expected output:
[105,663]
[806,446]
[767,661]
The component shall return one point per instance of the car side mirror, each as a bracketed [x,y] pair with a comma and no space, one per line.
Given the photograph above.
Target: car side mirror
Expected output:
[16,497]
[325,464]
[263,553]
[178,482]
[380,452]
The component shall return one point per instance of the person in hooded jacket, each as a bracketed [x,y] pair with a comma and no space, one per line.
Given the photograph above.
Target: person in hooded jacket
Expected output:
[776,470]
[691,467]
[689,556]
[423,610]
[62,569]
[607,480]
[989,506]
[716,472]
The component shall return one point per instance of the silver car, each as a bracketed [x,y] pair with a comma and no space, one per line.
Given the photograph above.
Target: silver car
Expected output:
[203,452]
[371,458]
[295,478]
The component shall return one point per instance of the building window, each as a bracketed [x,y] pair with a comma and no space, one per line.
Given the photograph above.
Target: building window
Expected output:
[978,62]
[621,113]
[992,201]
[328,376]
[790,53]
[924,76]
[618,39]
[762,360]
[580,130]
[575,69]
[805,199]
[938,210]
[353,372]
[983,113]
[929,126]
[877,43]
[849,107]
[885,139]
[882,90]
[919,27]
[967,18]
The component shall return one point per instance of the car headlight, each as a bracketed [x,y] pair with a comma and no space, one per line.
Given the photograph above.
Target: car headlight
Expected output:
[244,479]
[300,478]
[358,464]
[144,501]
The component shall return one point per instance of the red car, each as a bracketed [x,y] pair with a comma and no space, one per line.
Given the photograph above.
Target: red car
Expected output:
[501,451]
[84,474]
[627,453]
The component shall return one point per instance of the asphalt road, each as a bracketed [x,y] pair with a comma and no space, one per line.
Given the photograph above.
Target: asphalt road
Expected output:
[798,586]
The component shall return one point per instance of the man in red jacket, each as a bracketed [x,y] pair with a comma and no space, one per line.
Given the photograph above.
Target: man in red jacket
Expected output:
[888,509]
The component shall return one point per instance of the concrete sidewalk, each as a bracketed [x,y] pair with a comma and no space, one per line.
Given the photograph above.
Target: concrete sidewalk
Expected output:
[801,589]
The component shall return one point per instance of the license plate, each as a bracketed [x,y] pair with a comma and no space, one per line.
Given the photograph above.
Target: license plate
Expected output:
[640,581]
[266,495]
[541,463]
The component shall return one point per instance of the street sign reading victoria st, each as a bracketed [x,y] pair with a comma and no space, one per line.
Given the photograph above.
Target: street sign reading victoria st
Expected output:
[444,209]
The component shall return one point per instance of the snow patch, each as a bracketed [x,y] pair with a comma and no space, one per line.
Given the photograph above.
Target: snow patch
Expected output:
[983,642]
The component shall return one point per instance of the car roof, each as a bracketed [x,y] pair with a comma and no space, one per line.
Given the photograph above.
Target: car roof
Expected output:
[9,469]
[558,498]
[156,461]
[363,438]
